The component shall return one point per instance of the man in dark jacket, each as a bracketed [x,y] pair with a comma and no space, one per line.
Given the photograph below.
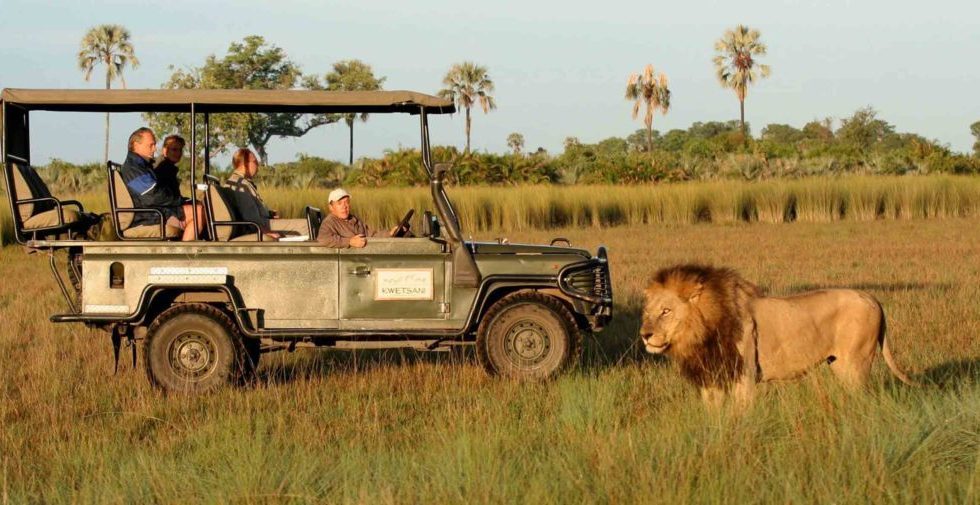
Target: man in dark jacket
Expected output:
[146,191]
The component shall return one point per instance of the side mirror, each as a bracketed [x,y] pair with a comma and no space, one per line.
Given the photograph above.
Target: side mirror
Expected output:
[430,225]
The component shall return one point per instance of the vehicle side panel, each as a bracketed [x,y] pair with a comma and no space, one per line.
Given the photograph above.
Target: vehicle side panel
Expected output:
[291,286]
[305,286]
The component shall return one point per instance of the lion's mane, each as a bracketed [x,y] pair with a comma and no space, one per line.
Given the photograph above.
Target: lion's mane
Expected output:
[706,350]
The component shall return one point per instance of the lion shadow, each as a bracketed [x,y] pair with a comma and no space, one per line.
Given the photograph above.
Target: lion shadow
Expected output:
[951,373]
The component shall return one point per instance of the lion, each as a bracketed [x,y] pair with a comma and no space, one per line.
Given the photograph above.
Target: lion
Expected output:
[726,336]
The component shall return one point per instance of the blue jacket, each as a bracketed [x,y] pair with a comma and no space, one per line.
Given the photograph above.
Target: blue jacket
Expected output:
[141,182]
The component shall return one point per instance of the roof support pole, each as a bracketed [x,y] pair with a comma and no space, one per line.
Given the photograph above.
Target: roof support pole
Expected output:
[207,143]
[445,208]
[466,273]
[194,171]
[3,132]
[426,155]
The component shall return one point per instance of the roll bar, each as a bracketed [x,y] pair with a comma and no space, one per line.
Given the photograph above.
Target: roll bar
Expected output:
[466,273]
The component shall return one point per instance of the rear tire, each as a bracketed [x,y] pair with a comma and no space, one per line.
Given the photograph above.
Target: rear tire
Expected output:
[194,348]
[528,336]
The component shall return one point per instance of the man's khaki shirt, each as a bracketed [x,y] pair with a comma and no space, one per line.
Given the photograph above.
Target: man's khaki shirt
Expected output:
[336,232]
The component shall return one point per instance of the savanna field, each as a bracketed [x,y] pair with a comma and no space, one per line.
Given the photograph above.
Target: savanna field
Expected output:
[623,427]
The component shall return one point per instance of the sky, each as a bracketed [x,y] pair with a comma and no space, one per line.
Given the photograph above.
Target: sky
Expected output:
[560,67]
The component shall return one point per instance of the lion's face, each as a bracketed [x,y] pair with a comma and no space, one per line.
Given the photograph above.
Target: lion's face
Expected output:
[664,313]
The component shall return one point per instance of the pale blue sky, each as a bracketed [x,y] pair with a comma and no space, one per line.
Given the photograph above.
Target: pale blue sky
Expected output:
[560,67]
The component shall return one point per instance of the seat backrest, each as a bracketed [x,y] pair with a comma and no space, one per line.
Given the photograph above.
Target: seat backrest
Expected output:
[221,211]
[29,185]
[121,199]
[314,218]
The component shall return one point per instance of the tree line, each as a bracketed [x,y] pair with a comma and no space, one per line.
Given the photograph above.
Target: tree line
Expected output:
[255,64]
[862,143]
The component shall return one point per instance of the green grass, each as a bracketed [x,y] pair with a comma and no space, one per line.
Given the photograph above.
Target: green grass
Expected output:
[523,208]
[402,427]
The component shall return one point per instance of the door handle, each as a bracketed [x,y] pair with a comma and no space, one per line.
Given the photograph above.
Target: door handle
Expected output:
[360,271]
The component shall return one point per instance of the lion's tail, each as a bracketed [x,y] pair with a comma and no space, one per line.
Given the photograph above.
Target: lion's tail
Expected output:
[886,352]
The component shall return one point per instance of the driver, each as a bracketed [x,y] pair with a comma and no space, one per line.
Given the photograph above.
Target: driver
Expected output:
[341,229]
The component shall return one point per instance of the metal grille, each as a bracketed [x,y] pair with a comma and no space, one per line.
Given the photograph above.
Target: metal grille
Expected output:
[602,283]
[593,281]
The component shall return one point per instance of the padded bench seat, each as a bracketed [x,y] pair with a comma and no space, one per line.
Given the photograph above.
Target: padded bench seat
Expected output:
[151,231]
[38,214]
[50,218]
[123,212]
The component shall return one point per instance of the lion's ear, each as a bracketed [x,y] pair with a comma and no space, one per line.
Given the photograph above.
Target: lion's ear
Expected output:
[696,293]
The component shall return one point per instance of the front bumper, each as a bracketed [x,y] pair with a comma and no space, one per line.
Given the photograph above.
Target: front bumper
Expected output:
[590,282]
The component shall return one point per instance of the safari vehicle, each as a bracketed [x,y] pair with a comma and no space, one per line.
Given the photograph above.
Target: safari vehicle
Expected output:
[205,311]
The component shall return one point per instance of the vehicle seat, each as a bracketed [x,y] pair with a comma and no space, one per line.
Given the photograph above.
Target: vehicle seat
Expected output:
[225,220]
[314,218]
[124,210]
[38,214]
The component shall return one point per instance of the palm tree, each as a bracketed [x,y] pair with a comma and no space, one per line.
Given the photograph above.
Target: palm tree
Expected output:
[650,89]
[516,142]
[108,45]
[468,83]
[353,75]
[735,63]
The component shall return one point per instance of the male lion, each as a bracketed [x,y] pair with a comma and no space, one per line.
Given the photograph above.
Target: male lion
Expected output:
[726,336]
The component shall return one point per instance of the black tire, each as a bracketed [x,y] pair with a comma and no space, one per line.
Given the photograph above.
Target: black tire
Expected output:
[528,336]
[194,348]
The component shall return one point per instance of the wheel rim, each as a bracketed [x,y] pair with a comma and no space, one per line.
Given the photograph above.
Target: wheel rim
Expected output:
[192,355]
[527,343]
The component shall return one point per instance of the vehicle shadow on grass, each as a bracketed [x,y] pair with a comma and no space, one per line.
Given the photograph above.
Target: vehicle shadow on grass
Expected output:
[282,368]
[618,345]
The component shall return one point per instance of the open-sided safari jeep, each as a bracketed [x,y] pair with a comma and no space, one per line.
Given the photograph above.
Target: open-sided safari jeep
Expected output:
[206,310]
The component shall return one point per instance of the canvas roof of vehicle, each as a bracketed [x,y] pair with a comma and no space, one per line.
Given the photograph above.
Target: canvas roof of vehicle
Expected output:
[225,100]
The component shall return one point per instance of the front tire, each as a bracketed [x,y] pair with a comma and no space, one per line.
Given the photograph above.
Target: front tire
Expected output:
[194,348]
[528,336]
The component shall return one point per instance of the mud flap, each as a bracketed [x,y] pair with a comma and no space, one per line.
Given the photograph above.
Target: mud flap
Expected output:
[116,344]
[117,335]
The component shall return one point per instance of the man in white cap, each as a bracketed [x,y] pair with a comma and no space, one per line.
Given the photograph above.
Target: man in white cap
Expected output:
[341,229]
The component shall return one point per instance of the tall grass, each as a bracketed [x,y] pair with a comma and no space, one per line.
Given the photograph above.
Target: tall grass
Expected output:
[403,427]
[520,208]
[859,198]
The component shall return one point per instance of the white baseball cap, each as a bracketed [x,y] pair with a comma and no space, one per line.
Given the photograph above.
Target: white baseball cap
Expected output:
[337,194]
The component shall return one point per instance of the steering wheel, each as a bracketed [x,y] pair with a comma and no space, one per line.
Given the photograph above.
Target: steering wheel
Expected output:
[403,225]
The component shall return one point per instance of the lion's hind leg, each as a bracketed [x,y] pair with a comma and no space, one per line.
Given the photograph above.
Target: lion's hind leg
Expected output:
[856,346]
[851,363]
[852,373]
[854,333]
